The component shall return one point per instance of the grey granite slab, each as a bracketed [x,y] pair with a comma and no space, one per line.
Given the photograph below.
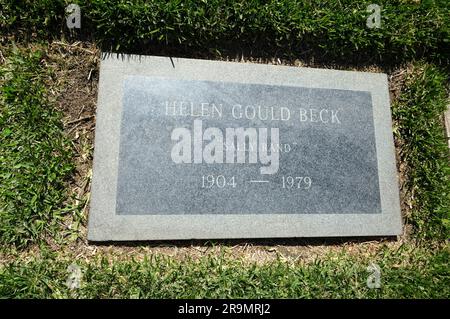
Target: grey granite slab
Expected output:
[195,149]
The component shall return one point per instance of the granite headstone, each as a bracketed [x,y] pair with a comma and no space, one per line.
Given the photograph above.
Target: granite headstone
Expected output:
[194,149]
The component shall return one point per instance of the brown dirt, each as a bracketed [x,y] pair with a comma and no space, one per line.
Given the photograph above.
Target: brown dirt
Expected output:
[74,91]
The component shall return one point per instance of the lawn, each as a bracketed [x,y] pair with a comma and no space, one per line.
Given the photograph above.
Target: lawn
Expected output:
[49,78]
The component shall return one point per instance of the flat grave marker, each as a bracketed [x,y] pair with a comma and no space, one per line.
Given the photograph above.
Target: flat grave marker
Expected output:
[196,149]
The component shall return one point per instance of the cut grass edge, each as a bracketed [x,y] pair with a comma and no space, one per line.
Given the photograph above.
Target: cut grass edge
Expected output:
[408,272]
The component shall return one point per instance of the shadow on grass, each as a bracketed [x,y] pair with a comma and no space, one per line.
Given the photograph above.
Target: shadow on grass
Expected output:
[322,241]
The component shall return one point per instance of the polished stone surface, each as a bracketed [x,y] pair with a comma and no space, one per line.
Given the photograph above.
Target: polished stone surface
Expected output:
[326,149]
[205,149]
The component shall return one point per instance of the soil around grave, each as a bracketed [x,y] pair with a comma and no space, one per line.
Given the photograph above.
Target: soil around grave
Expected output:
[73,89]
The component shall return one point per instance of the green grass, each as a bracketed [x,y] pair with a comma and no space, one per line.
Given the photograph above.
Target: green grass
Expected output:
[34,155]
[36,161]
[418,113]
[406,273]
[35,158]
[324,30]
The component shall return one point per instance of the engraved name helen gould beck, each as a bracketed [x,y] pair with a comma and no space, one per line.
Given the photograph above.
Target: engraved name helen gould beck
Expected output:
[196,149]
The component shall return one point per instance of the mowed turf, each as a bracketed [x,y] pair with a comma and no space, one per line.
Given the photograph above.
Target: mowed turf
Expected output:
[36,158]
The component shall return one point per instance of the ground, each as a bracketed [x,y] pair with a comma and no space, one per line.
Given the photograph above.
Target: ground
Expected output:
[46,170]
